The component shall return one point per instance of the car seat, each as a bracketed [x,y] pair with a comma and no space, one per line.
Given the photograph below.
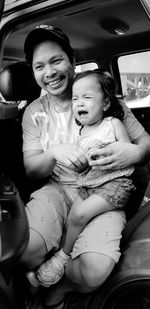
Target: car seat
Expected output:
[17,83]
[17,86]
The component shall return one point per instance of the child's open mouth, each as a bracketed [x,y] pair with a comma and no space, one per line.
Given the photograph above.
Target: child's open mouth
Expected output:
[82,113]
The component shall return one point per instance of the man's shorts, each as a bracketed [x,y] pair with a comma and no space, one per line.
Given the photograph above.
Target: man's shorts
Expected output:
[47,213]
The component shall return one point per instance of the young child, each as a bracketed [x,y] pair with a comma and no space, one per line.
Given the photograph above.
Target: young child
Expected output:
[99,114]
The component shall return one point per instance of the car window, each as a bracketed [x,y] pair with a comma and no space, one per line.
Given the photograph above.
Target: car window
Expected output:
[9,4]
[135,79]
[86,66]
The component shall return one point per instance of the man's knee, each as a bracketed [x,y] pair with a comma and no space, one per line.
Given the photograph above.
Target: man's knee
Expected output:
[36,250]
[95,268]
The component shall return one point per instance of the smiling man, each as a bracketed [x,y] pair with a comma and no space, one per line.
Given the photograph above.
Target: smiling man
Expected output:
[48,130]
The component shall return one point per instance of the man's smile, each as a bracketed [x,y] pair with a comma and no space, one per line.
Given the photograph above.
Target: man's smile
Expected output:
[54,83]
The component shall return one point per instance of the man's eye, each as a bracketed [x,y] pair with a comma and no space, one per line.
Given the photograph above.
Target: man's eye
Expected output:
[57,60]
[74,99]
[38,67]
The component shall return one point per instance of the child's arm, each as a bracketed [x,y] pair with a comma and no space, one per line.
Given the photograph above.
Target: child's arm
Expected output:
[120,131]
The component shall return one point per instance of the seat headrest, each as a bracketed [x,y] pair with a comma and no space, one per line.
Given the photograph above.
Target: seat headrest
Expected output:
[17,83]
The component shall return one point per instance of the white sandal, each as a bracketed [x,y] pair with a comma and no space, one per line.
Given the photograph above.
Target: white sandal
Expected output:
[52,271]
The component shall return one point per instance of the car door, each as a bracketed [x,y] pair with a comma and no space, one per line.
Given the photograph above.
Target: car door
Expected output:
[1,8]
[2,2]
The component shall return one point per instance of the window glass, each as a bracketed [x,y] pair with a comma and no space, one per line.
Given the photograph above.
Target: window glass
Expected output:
[86,66]
[17,3]
[135,79]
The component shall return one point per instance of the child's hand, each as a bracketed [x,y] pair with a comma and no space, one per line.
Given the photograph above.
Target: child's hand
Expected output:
[93,155]
[92,148]
[70,155]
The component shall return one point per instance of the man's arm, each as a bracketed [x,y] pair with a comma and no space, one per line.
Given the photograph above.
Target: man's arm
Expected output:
[143,143]
[40,164]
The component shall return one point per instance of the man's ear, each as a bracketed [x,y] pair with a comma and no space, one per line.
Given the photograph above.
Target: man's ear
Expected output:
[106,105]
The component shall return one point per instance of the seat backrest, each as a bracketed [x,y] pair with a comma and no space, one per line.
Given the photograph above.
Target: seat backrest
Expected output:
[17,83]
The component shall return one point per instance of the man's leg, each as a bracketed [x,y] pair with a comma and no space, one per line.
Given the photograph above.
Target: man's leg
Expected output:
[98,248]
[89,270]
[95,254]
[76,278]
[34,255]
[47,212]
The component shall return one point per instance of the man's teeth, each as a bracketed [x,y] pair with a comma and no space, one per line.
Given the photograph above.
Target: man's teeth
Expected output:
[55,82]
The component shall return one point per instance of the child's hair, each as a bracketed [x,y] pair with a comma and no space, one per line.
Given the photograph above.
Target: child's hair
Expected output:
[108,87]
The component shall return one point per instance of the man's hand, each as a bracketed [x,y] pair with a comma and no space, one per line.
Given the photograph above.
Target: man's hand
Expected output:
[114,156]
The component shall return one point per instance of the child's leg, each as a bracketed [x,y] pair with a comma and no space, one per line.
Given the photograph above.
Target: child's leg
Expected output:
[81,213]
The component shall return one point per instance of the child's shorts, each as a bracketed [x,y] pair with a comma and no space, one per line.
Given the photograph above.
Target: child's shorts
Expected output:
[115,192]
[47,213]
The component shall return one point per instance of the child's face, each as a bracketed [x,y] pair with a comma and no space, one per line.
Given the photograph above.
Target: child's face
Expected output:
[88,101]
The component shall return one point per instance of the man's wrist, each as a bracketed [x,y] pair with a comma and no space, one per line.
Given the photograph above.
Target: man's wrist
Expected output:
[140,154]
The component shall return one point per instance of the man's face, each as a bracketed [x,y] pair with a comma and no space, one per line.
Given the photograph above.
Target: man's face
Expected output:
[52,68]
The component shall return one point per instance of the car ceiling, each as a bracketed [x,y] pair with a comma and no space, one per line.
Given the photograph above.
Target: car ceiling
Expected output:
[84,22]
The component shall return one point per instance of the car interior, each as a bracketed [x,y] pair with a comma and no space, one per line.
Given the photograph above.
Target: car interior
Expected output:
[113,35]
